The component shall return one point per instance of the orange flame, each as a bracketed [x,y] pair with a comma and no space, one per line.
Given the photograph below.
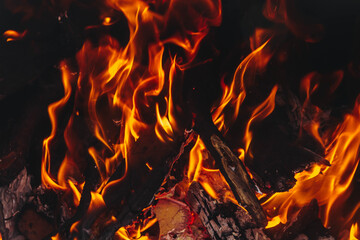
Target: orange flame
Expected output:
[12,35]
[136,231]
[53,109]
[130,82]
[234,95]
[331,186]
[260,113]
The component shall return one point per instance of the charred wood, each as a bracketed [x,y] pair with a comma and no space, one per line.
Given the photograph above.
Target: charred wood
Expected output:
[142,194]
[224,221]
[232,169]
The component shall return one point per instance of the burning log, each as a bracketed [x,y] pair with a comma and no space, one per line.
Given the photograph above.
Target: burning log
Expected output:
[143,192]
[222,220]
[231,168]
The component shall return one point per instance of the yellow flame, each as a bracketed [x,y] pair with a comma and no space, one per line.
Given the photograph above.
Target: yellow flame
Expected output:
[195,160]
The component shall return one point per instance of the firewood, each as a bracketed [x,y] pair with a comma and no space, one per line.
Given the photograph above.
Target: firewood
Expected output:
[222,220]
[231,167]
[136,191]
[172,216]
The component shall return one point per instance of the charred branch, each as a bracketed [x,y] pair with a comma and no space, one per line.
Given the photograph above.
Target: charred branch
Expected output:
[224,221]
[142,197]
[232,169]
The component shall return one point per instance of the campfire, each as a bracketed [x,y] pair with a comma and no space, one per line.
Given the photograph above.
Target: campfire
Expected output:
[179,119]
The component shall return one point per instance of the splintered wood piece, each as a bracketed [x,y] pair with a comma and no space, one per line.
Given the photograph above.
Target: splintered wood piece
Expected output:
[144,184]
[239,178]
[223,221]
[231,167]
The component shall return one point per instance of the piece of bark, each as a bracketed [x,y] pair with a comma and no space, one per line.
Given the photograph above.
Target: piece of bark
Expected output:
[231,167]
[224,221]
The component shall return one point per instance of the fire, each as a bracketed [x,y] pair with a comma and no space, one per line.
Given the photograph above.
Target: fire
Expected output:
[12,35]
[117,88]
[195,160]
[260,113]
[354,232]
[331,186]
[136,231]
[122,89]
[234,95]
[53,109]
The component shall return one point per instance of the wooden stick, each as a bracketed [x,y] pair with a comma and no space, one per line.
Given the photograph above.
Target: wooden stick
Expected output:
[223,221]
[232,169]
[141,198]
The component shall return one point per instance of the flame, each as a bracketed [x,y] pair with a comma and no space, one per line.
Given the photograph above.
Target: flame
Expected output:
[119,86]
[209,190]
[136,231]
[195,160]
[354,232]
[12,35]
[234,95]
[310,114]
[56,237]
[53,109]
[331,186]
[260,113]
